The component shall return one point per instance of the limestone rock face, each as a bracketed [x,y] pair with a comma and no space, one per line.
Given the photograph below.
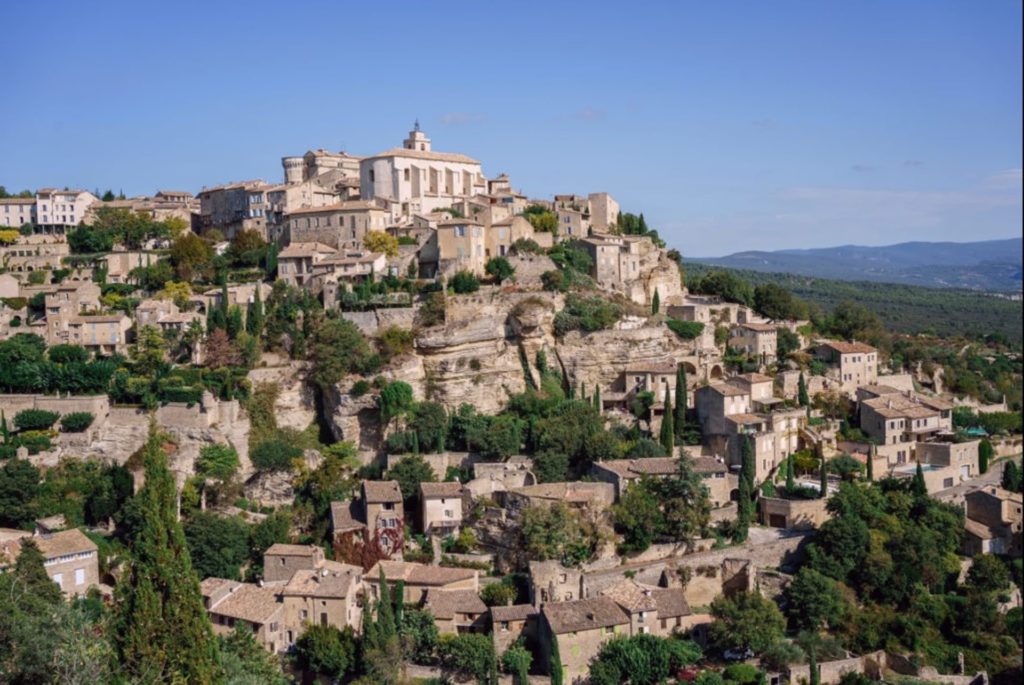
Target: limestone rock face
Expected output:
[296,405]
[601,357]
[270,489]
[354,419]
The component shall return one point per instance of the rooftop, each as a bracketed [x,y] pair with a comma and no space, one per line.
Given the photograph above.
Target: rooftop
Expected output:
[583,614]
[514,612]
[283,550]
[843,347]
[426,155]
[248,602]
[418,574]
[441,489]
[444,604]
[323,582]
[381,491]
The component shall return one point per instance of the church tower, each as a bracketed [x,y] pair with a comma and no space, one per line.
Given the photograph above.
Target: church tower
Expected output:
[417,139]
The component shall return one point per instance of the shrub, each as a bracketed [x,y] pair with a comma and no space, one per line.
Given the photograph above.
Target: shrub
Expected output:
[274,455]
[394,341]
[34,441]
[465,282]
[586,314]
[217,461]
[360,388]
[555,281]
[526,246]
[687,330]
[35,419]
[76,422]
[499,268]
[740,673]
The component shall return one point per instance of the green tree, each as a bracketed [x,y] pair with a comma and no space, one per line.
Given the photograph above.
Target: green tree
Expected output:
[254,318]
[246,662]
[801,391]
[395,400]
[465,282]
[745,505]
[682,404]
[813,601]
[668,434]
[655,302]
[218,461]
[162,626]
[498,594]
[1011,478]
[642,659]
[917,485]
[516,660]
[985,454]
[19,487]
[988,573]
[410,471]
[499,268]
[747,620]
[638,517]
[339,348]
[471,654]
[790,476]
[419,635]
[555,666]
[822,477]
[324,650]
[218,545]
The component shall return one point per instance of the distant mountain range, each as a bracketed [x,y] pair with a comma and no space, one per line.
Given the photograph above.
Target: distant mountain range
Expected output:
[993,265]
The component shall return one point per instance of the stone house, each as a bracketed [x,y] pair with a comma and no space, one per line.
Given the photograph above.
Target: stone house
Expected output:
[509,623]
[655,610]
[70,558]
[419,579]
[623,472]
[550,581]
[852,363]
[281,561]
[896,418]
[234,207]
[165,315]
[330,594]
[67,302]
[340,225]
[441,508]
[461,246]
[230,603]
[800,514]
[616,258]
[960,457]
[383,514]
[581,627]
[501,235]
[457,611]
[993,522]
[16,212]
[58,211]
[578,494]
[758,340]
[295,263]
[103,334]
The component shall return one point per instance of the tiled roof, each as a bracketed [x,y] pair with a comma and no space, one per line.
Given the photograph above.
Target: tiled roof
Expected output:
[631,596]
[583,614]
[323,582]
[381,491]
[249,603]
[418,574]
[441,489]
[427,155]
[745,419]
[708,465]
[848,347]
[444,604]
[652,367]
[305,250]
[283,550]
[727,389]
[755,378]
[515,612]
[342,518]
[878,389]
[65,542]
[671,602]
[759,327]
[899,406]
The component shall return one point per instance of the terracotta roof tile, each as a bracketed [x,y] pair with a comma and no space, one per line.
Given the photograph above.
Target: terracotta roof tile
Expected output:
[444,604]
[583,614]
[381,491]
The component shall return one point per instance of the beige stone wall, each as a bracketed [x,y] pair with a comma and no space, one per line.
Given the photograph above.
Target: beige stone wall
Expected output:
[75,576]
[800,514]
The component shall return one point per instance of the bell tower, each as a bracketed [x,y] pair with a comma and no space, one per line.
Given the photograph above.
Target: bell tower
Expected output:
[417,139]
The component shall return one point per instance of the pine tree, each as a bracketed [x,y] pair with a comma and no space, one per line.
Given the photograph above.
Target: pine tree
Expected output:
[790,476]
[682,404]
[162,630]
[801,392]
[918,486]
[655,302]
[254,317]
[872,454]
[668,433]
[597,399]
[557,676]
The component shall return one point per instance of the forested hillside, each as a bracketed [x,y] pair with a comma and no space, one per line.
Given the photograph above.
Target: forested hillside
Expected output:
[902,308]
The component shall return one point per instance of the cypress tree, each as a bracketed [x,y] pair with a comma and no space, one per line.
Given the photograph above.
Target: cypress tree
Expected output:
[385,612]
[542,363]
[815,672]
[557,677]
[801,392]
[4,430]
[823,475]
[655,302]
[254,317]
[745,505]
[872,453]
[682,404]
[162,629]
[985,453]
[668,433]
[234,322]
[30,572]
[583,392]
[917,486]
[790,476]
[597,399]
[399,603]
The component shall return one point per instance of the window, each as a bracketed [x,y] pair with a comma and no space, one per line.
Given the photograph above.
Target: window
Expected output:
[303,614]
[79,576]
[59,579]
[504,626]
[609,630]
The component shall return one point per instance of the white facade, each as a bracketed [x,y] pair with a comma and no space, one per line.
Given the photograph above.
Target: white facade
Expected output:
[62,209]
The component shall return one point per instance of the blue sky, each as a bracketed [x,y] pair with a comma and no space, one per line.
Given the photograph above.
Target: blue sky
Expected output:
[731,125]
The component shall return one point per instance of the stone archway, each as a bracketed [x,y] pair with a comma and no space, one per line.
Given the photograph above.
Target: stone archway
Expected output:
[716,372]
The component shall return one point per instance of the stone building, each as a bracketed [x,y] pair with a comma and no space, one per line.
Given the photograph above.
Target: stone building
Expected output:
[234,207]
[896,418]
[165,315]
[623,472]
[457,611]
[418,180]
[578,494]
[16,212]
[510,623]
[993,524]
[295,263]
[37,252]
[616,258]
[383,514]
[758,340]
[281,561]
[70,558]
[441,508]
[230,604]
[604,212]
[852,363]
[341,225]
[59,211]
[550,581]
[419,579]
[329,594]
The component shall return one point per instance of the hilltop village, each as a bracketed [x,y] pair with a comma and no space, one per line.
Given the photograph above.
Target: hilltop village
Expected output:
[391,420]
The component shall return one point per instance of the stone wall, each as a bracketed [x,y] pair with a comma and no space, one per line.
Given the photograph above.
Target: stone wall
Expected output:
[97,405]
[800,514]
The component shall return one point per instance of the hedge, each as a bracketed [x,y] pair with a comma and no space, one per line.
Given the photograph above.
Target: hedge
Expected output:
[76,422]
[35,419]
[687,330]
